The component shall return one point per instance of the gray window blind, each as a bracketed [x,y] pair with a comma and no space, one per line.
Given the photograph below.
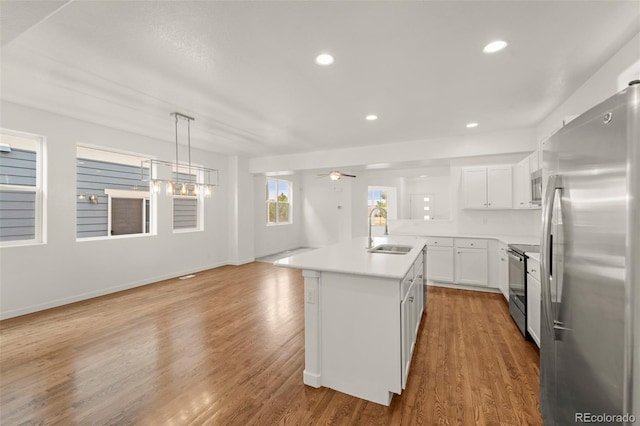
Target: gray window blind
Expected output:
[185,213]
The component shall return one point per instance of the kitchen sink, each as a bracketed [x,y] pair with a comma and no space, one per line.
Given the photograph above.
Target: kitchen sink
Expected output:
[390,249]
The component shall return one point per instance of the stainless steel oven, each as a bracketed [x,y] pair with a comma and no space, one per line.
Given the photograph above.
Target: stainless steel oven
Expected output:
[518,283]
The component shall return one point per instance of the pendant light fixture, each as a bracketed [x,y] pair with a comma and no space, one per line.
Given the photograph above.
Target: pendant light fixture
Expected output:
[186,180]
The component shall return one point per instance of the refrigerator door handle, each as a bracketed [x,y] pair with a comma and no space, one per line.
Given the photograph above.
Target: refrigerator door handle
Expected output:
[554,184]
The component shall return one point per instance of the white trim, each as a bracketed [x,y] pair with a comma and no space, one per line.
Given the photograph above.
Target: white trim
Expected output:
[464,287]
[112,155]
[113,237]
[290,202]
[199,213]
[129,194]
[126,193]
[240,262]
[37,143]
[110,290]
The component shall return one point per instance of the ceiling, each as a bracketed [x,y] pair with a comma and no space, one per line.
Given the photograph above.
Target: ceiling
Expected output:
[246,71]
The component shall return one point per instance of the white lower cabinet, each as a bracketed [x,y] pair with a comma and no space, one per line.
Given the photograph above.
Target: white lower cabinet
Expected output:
[534,298]
[471,266]
[471,261]
[411,309]
[440,263]
[457,261]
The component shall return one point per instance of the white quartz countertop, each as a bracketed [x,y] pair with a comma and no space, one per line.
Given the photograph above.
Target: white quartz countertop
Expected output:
[507,239]
[352,257]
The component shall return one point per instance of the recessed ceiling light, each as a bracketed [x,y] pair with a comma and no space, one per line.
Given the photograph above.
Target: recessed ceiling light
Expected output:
[495,46]
[371,117]
[324,59]
[470,125]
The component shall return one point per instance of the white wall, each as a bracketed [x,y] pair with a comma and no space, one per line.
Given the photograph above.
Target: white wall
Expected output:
[64,270]
[472,144]
[276,238]
[612,77]
[240,212]
[327,210]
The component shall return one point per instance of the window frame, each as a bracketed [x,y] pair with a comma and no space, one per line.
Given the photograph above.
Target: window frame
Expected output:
[38,145]
[132,195]
[149,194]
[290,202]
[199,177]
[199,213]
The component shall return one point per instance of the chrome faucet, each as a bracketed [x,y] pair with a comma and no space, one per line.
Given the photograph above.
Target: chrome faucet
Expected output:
[386,227]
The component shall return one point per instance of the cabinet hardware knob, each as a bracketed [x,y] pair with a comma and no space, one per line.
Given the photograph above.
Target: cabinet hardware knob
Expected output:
[458,252]
[533,270]
[521,203]
[471,243]
[411,299]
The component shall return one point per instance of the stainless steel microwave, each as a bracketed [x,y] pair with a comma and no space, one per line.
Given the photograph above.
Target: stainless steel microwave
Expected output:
[536,188]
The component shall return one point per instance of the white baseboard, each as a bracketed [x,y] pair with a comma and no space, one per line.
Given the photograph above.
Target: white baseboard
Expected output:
[90,295]
[311,379]
[464,287]
[241,262]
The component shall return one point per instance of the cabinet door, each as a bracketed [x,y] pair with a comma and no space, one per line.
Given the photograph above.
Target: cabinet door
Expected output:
[503,269]
[440,264]
[471,266]
[474,188]
[522,185]
[533,308]
[407,332]
[500,187]
[534,164]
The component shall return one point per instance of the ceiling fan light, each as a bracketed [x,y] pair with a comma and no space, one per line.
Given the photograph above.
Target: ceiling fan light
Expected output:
[334,175]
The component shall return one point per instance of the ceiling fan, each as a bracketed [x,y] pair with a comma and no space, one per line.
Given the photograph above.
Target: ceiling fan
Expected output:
[335,175]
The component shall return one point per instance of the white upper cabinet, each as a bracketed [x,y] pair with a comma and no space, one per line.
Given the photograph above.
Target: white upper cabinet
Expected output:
[487,187]
[522,181]
[522,185]
[534,162]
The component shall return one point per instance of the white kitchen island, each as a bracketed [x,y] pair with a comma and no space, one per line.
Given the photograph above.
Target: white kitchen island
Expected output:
[362,314]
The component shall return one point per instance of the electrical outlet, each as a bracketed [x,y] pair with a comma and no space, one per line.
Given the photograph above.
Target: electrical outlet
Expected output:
[310,296]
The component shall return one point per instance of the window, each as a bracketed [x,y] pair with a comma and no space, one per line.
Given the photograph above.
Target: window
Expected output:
[185,213]
[377,198]
[278,202]
[113,196]
[21,188]
[186,208]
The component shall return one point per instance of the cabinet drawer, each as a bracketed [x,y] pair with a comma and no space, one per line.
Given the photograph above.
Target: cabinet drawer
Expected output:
[533,268]
[471,243]
[440,242]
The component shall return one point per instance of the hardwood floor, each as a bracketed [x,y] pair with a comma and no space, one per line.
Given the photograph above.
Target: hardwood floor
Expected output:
[227,348]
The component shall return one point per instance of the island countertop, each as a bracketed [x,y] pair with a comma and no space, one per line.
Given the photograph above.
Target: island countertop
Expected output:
[352,257]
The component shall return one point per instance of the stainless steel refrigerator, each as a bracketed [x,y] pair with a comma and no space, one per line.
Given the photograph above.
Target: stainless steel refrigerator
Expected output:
[590,264]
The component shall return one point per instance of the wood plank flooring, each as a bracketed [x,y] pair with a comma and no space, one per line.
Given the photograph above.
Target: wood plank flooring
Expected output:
[227,348]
